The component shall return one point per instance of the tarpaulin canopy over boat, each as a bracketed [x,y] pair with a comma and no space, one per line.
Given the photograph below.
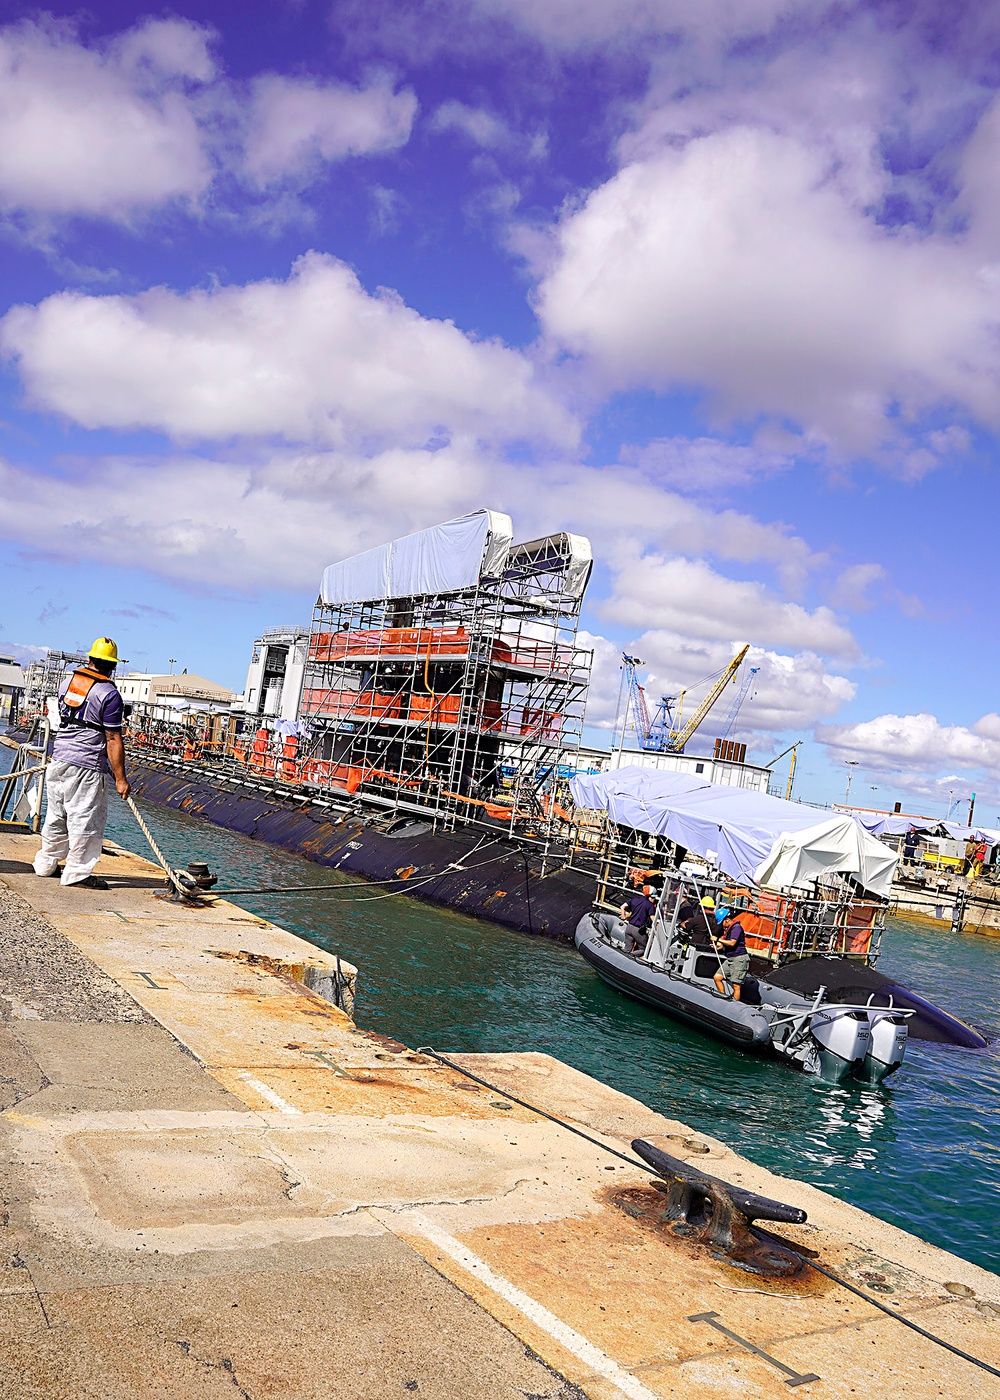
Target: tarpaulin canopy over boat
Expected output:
[748,835]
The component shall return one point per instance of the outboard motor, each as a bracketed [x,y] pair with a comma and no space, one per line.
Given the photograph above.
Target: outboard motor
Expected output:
[887,1047]
[843,1038]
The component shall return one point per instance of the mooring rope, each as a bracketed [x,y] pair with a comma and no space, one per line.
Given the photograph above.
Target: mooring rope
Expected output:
[361,884]
[171,875]
[635,1162]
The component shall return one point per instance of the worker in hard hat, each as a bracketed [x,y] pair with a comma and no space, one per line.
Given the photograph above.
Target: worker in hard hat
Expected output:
[86,752]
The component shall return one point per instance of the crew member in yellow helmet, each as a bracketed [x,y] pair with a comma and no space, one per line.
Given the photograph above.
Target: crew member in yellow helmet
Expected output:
[87,752]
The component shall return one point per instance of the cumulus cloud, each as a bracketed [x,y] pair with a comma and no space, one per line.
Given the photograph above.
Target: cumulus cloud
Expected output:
[707,465]
[916,744]
[294,125]
[311,359]
[237,525]
[344,500]
[582,24]
[118,128]
[688,597]
[476,123]
[789,692]
[103,131]
[736,263]
[852,588]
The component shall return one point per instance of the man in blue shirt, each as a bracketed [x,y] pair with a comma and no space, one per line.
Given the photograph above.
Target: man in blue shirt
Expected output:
[736,964]
[86,752]
[632,920]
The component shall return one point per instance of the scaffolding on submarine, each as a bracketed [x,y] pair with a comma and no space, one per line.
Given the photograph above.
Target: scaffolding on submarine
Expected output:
[463,703]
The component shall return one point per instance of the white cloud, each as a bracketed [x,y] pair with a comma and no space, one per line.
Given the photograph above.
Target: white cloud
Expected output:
[687,597]
[312,359]
[787,693]
[916,744]
[140,510]
[852,587]
[480,126]
[737,263]
[273,523]
[295,124]
[104,132]
[626,508]
[23,652]
[573,24]
[707,466]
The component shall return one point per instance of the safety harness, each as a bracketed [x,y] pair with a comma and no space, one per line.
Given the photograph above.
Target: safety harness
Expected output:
[71,704]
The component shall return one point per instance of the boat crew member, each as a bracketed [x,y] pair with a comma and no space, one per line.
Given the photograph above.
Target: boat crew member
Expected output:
[87,750]
[698,921]
[630,924]
[736,963]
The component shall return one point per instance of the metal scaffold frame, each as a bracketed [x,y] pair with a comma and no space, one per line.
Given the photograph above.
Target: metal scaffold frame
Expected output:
[461,704]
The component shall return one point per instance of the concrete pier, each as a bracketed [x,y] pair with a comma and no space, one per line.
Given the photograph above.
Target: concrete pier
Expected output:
[215,1184]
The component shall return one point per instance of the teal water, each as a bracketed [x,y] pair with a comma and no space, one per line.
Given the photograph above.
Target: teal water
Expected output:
[922,1152]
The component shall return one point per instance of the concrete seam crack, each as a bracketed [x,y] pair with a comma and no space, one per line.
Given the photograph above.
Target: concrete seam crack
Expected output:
[19,1263]
[224,1365]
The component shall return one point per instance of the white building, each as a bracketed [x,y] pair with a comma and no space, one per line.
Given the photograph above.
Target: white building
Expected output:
[722,772]
[11,687]
[144,686]
[274,680]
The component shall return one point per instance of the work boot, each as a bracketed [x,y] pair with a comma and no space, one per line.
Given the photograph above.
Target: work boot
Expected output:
[53,874]
[92,882]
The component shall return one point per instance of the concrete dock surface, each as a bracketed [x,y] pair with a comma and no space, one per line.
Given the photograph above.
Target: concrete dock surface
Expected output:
[215,1184]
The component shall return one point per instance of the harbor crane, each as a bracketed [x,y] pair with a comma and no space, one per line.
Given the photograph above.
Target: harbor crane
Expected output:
[664,732]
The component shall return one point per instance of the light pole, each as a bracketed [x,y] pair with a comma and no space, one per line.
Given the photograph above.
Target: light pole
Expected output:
[172,662]
[852,763]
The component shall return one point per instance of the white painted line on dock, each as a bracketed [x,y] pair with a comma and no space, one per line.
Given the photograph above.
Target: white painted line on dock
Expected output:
[573,1342]
[272,1098]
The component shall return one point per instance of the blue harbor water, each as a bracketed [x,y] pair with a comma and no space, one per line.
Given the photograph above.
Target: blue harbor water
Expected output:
[922,1151]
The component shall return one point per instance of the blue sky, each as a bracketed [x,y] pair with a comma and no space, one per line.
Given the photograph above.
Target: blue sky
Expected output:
[717,286]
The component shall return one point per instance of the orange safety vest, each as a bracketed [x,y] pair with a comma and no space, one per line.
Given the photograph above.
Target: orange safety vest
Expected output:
[81,684]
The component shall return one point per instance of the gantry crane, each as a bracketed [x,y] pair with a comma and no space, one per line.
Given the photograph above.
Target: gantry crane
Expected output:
[662,733]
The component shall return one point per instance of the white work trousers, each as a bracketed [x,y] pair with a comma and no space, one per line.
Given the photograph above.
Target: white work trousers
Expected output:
[74,823]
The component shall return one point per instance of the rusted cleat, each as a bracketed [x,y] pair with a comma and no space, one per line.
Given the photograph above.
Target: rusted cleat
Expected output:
[719,1215]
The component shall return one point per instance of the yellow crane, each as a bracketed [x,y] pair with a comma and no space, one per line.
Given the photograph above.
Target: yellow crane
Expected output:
[793,749]
[679,737]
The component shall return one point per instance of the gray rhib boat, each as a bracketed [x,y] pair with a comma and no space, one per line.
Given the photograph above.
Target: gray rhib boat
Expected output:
[818,1032]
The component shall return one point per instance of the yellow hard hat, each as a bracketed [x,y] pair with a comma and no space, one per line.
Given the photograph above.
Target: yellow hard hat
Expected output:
[104,649]
[708,902]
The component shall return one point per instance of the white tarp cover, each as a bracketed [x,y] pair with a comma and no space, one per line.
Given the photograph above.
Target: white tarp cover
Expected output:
[748,835]
[442,559]
[885,824]
[580,565]
[958,832]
